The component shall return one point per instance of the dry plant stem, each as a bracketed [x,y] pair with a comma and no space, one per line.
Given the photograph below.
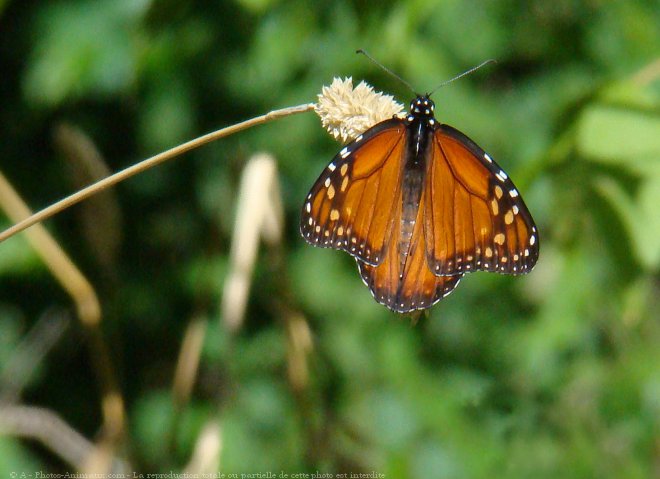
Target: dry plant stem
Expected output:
[87,306]
[52,432]
[185,375]
[206,455]
[146,164]
[66,273]
[47,428]
[17,372]
[100,217]
[300,346]
[188,362]
[259,214]
[647,74]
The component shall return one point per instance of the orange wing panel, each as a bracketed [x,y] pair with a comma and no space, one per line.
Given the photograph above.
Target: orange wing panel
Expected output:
[403,281]
[350,207]
[475,217]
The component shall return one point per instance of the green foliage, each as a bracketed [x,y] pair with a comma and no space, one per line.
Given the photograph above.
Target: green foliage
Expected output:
[554,374]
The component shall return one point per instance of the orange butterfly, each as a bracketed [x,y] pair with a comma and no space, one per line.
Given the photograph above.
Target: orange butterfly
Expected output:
[419,204]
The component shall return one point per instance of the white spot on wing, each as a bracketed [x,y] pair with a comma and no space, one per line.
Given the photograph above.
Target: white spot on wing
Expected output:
[488,158]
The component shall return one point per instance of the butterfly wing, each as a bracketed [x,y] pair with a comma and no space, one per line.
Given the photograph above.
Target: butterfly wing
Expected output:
[403,281]
[475,218]
[351,205]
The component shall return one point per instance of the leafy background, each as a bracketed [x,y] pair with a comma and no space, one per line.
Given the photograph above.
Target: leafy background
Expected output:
[555,374]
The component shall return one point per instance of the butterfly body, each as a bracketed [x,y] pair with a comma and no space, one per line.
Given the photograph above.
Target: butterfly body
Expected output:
[419,129]
[418,204]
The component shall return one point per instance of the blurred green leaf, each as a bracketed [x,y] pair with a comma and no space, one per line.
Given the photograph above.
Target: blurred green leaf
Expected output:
[82,48]
[18,257]
[629,138]
[262,417]
[153,425]
[640,217]
[167,115]
[15,458]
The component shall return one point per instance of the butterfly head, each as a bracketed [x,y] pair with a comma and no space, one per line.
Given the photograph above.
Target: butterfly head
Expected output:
[422,107]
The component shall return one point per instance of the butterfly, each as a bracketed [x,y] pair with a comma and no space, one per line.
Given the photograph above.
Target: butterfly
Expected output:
[419,205]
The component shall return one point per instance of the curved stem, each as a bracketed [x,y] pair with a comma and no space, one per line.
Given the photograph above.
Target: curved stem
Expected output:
[146,164]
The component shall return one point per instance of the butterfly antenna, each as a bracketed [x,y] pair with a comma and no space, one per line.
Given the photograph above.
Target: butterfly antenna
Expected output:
[463,74]
[384,68]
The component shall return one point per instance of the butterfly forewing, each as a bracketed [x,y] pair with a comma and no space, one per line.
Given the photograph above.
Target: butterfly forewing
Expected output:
[403,281]
[475,218]
[351,205]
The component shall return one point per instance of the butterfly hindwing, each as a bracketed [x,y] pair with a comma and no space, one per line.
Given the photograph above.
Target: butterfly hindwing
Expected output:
[403,281]
[350,207]
[475,218]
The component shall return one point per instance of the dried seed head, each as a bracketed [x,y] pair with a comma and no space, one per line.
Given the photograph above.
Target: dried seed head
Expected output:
[347,112]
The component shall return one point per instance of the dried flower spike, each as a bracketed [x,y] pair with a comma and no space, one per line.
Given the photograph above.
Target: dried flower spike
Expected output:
[346,112]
